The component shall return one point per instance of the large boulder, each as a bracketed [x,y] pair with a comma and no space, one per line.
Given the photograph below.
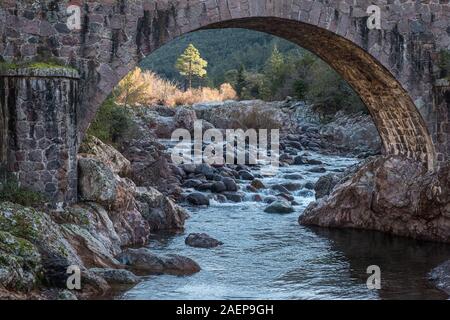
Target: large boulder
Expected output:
[37,228]
[197,199]
[390,194]
[143,261]
[90,230]
[98,183]
[105,153]
[20,263]
[160,212]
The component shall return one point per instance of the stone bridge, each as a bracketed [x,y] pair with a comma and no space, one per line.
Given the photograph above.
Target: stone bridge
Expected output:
[53,78]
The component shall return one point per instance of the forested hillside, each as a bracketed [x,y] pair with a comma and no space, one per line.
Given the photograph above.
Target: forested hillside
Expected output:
[258,66]
[224,49]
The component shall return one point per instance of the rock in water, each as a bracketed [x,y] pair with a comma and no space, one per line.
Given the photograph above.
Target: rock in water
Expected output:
[390,194]
[218,187]
[116,276]
[143,261]
[258,184]
[202,240]
[280,206]
[245,175]
[198,199]
[230,184]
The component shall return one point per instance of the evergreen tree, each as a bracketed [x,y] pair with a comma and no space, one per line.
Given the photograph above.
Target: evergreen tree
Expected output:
[190,64]
[275,70]
[240,80]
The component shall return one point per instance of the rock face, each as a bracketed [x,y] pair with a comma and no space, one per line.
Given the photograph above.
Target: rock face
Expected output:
[97,183]
[160,212]
[300,126]
[106,154]
[202,240]
[390,194]
[143,261]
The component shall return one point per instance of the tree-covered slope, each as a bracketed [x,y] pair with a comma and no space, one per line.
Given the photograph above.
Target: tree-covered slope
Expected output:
[224,49]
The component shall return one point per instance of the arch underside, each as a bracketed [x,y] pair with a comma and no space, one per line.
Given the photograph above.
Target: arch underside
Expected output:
[399,123]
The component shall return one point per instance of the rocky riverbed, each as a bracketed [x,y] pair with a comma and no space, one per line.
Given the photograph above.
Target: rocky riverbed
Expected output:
[134,202]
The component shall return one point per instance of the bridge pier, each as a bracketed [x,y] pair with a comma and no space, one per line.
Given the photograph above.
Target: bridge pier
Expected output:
[441,96]
[38,130]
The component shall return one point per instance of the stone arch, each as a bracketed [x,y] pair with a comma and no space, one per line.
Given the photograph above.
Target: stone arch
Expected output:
[402,129]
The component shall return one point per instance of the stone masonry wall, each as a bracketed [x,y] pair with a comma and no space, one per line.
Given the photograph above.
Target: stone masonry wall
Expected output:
[39,109]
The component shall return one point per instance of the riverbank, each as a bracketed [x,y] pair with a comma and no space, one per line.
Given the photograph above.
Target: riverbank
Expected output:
[132,194]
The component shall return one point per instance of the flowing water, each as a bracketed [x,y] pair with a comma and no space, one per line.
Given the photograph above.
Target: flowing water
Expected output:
[270,256]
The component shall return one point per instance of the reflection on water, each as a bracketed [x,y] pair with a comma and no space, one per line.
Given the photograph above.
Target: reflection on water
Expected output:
[269,256]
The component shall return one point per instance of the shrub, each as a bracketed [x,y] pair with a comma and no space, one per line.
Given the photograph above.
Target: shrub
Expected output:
[112,123]
[146,88]
[12,192]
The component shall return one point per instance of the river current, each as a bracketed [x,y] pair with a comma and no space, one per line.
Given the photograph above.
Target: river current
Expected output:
[270,256]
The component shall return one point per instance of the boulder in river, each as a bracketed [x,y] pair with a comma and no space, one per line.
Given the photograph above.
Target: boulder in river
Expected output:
[192,183]
[218,187]
[198,199]
[390,194]
[230,184]
[234,196]
[202,240]
[280,206]
[143,261]
[246,175]
[258,184]
[270,199]
[116,276]
[280,188]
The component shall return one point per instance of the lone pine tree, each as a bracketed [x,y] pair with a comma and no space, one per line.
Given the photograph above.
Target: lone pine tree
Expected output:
[190,64]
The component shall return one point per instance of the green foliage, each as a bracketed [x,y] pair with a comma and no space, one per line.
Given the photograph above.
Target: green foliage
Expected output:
[112,123]
[190,64]
[261,66]
[47,64]
[444,63]
[11,191]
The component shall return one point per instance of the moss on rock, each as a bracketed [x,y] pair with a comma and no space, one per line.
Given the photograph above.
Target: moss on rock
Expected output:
[20,263]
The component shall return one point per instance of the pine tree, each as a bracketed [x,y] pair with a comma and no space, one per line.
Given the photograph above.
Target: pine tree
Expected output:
[275,70]
[190,64]
[240,80]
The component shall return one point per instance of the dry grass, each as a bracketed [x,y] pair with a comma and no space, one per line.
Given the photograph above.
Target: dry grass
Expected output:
[146,88]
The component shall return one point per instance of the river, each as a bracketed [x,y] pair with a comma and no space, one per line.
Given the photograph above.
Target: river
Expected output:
[270,256]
